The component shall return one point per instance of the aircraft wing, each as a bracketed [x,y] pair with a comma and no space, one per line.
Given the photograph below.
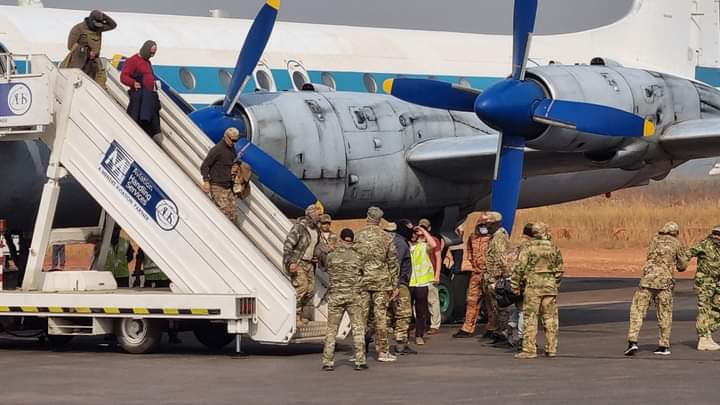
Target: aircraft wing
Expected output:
[471,159]
[694,139]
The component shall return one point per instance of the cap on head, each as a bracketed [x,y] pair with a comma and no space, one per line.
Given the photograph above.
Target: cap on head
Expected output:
[388,226]
[670,228]
[233,134]
[425,223]
[374,214]
[325,219]
[716,230]
[96,15]
[493,217]
[540,230]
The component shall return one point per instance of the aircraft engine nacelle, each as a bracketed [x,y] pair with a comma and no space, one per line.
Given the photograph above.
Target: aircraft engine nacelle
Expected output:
[660,98]
[337,141]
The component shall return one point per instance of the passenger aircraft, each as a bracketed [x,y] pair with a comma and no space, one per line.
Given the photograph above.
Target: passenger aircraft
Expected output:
[353,147]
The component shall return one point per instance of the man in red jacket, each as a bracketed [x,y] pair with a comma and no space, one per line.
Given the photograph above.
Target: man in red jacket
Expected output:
[138,75]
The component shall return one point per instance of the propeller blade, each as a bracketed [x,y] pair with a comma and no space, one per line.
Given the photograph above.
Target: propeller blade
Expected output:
[252,50]
[506,188]
[433,93]
[592,118]
[523,27]
[274,175]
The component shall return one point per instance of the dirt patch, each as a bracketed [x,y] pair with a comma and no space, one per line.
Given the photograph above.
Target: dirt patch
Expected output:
[589,262]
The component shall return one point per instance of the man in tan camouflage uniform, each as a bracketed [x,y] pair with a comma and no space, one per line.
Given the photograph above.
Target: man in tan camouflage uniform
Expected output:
[344,268]
[496,268]
[380,274]
[665,255]
[85,43]
[476,252]
[300,255]
[328,238]
[539,270]
[707,282]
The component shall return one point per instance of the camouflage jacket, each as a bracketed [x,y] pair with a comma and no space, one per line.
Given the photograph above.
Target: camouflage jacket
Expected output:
[498,249]
[665,255]
[476,251]
[539,268]
[708,254]
[380,261]
[327,243]
[297,242]
[344,268]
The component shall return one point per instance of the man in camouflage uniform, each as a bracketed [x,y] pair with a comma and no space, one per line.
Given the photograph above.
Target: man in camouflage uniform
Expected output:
[344,268]
[85,43]
[476,252]
[707,282]
[539,270]
[328,239]
[300,255]
[496,268]
[380,274]
[665,255]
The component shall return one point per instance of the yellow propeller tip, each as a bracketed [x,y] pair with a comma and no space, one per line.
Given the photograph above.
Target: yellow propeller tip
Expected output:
[320,206]
[274,4]
[116,60]
[388,85]
[649,129]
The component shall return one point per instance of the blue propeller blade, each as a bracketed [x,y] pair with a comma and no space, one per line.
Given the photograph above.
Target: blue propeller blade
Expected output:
[506,188]
[432,93]
[592,118]
[274,175]
[252,50]
[523,27]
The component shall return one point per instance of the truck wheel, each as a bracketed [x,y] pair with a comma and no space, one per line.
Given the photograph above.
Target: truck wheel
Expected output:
[137,336]
[213,335]
[58,341]
[447,301]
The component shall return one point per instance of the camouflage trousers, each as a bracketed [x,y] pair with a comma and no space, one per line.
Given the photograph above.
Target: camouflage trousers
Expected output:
[472,309]
[304,282]
[224,198]
[379,301]
[544,307]
[337,306]
[402,314]
[638,310]
[708,299]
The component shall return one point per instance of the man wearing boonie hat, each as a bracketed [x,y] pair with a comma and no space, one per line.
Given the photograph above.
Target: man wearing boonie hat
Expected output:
[300,256]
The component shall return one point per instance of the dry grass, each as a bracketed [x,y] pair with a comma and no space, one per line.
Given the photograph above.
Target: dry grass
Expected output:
[629,218]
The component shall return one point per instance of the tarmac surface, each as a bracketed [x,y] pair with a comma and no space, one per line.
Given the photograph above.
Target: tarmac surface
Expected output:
[590,369]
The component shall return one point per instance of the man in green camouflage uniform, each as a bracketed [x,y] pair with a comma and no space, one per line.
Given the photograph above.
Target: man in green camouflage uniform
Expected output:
[539,270]
[665,255]
[344,268]
[380,274]
[707,282]
[300,255]
[495,269]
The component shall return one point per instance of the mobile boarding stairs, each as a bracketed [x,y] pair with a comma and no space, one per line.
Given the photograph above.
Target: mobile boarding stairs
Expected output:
[227,279]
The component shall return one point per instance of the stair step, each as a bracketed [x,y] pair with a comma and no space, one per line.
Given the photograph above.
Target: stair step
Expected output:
[311,330]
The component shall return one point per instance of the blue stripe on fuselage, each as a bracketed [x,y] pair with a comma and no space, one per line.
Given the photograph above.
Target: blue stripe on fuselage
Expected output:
[709,75]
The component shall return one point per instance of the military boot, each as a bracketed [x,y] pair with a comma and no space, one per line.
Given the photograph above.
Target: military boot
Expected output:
[526,355]
[707,344]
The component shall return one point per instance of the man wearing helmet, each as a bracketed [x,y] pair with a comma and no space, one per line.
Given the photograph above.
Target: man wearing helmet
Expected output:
[665,255]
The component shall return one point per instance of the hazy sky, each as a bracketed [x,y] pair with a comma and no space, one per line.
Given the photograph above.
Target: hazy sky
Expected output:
[478,16]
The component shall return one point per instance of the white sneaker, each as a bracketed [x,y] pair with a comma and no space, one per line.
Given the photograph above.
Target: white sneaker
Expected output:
[386,357]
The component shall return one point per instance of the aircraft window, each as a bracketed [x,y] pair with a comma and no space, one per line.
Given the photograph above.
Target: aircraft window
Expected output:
[225,77]
[328,79]
[187,78]
[264,78]
[299,79]
[370,83]
[464,82]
